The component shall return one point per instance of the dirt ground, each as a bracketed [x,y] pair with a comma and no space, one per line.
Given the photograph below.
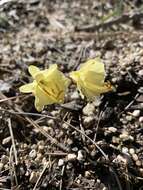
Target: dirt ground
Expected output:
[78,145]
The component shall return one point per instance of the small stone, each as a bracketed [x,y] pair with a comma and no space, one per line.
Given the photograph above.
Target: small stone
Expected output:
[71,157]
[60,162]
[138,163]
[41,148]
[120,159]
[112,129]
[51,123]
[46,128]
[129,118]
[104,188]
[140,90]
[89,109]
[34,146]
[98,181]
[6,140]
[1,166]
[140,73]
[124,136]
[87,174]
[88,120]
[75,95]
[125,150]
[115,140]
[75,149]
[132,151]
[4,159]
[141,119]
[44,161]
[38,158]
[141,171]
[69,141]
[135,157]
[65,126]
[6,166]
[55,113]
[80,155]
[136,113]
[41,143]
[33,177]
[33,153]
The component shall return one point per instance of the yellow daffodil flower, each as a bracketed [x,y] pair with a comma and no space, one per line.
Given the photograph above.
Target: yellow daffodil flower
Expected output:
[90,79]
[48,87]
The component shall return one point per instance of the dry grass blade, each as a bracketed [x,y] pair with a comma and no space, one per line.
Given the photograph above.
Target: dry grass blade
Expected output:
[62,173]
[11,98]
[29,114]
[53,140]
[97,127]
[46,165]
[78,130]
[121,19]
[12,168]
[13,141]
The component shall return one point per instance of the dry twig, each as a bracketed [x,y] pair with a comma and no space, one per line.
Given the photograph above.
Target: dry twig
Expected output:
[121,19]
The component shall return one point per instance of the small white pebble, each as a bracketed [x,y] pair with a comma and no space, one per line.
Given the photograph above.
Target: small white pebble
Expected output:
[75,95]
[71,157]
[87,174]
[4,159]
[89,109]
[69,141]
[136,113]
[80,155]
[33,177]
[135,157]
[129,118]
[120,159]
[60,162]
[44,161]
[112,129]
[104,188]
[51,122]
[132,151]
[140,73]
[88,120]
[33,153]
[98,181]
[124,136]
[55,113]
[138,163]
[46,128]
[41,147]
[141,119]
[65,126]
[125,150]
[141,171]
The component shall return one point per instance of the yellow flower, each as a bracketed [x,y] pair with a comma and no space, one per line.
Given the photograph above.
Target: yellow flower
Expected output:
[90,79]
[49,86]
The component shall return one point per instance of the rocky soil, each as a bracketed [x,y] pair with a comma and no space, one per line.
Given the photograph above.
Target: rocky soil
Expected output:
[78,145]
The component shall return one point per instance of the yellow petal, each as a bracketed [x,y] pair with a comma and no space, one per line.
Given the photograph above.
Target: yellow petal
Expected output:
[27,88]
[33,70]
[42,98]
[49,86]
[90,79]
[56,83]
[93,71]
